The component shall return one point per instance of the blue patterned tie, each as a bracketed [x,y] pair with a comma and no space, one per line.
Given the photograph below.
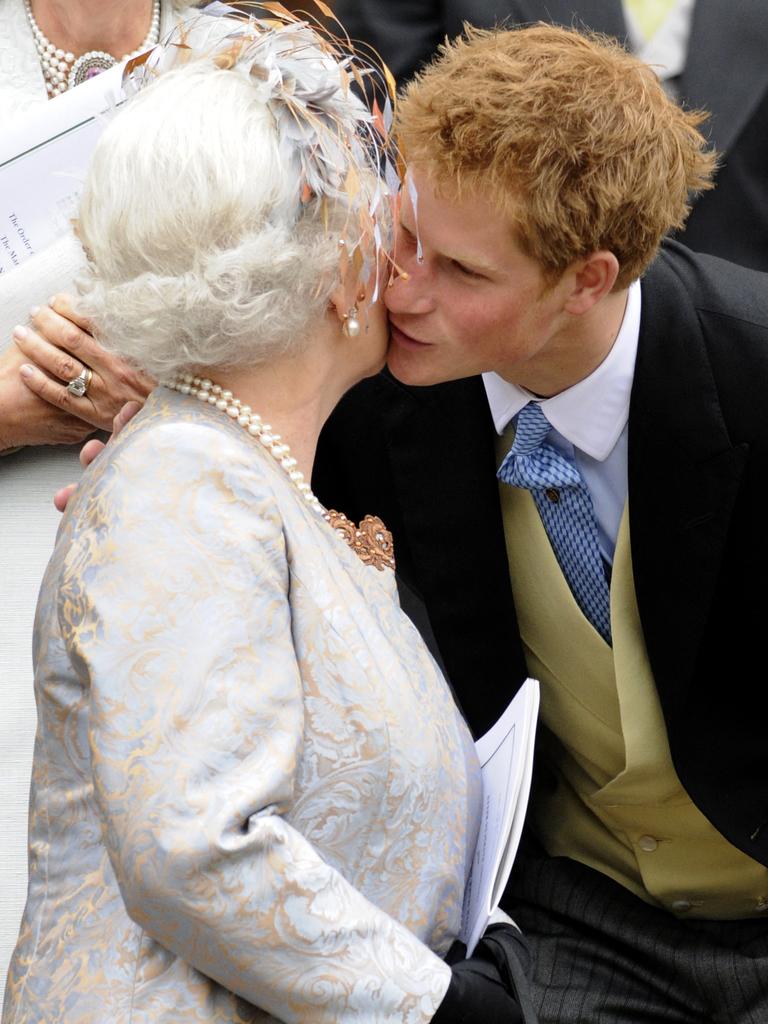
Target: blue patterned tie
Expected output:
[565,507]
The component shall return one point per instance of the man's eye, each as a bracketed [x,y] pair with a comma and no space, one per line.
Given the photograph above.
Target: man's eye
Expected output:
[466,271]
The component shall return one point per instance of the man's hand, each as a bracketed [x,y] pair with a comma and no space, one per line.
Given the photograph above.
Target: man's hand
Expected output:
[94,448]
[58,346]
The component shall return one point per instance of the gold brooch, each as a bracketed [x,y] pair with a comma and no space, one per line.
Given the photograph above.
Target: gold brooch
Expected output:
[371,540]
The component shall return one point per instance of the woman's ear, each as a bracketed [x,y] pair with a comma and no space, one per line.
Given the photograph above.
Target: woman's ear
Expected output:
[338,304]
[344,303]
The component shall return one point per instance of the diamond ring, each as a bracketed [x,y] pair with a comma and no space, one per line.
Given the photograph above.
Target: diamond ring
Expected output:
[78,386]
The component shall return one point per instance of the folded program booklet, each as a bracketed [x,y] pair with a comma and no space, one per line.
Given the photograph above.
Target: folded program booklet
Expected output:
[506,763]
[44,158]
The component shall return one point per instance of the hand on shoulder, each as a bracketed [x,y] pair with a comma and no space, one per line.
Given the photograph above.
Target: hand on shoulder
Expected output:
[25,417]
[35,406]
[56,348]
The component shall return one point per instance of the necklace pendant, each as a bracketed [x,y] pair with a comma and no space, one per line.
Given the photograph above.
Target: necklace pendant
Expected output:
[90,65]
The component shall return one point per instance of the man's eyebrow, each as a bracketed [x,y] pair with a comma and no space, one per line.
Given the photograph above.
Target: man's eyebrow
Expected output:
[470,261]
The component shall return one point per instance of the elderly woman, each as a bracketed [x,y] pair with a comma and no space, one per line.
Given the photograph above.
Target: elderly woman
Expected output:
[40,421]
[253,796]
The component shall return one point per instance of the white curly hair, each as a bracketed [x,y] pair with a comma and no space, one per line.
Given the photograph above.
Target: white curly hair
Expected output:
[204,249]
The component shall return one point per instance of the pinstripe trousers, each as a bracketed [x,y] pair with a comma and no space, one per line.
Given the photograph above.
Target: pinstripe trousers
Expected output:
[603,956]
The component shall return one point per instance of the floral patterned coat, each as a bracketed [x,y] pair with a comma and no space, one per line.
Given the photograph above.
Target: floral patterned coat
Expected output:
[253,797]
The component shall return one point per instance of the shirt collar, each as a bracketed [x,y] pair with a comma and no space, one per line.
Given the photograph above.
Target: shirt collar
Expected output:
[593,413]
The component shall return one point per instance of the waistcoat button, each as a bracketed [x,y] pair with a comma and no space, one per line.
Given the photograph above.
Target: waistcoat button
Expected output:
[681,905]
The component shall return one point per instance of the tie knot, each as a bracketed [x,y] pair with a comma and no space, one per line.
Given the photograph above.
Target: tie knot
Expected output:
[531,429]
[530,463]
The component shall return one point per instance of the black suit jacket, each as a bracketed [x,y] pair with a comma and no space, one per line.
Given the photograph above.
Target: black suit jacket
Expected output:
[423,459]
[726,74]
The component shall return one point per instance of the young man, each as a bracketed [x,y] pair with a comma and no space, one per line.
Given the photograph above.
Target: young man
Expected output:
[539,330]
[693,45]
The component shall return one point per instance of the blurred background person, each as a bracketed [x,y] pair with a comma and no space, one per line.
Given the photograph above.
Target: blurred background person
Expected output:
[710,55]
[47,47]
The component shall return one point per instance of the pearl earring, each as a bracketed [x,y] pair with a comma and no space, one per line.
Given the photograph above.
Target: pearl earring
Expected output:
[351,326]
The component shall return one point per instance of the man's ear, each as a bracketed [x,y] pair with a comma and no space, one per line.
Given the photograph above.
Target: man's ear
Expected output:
[592,278]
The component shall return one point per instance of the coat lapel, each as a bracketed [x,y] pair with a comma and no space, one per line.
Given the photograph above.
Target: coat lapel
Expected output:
[726,71]
[683,479]
[442,460]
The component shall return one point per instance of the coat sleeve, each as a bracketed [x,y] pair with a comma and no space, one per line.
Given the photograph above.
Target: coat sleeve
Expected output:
[405,33]
[175,609]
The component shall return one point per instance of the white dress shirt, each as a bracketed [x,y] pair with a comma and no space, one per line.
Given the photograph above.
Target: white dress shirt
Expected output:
[589,422]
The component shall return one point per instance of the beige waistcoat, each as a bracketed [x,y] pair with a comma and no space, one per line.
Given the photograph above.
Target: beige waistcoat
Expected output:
[617,805]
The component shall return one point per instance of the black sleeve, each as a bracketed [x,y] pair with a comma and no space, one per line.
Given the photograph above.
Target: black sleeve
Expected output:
[405,33]
[492,984]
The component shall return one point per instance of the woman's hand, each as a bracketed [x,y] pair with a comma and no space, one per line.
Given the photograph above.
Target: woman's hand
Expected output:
[25,418]
[58,347]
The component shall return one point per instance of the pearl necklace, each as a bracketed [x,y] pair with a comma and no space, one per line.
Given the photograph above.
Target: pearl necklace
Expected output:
[62,71]
[371,540]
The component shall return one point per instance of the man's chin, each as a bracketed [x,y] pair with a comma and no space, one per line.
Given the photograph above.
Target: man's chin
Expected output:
[407,371]
[412,368]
